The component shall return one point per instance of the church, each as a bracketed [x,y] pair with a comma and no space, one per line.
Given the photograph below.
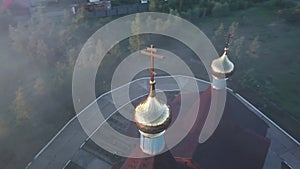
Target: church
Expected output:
[238,142]
[234,135]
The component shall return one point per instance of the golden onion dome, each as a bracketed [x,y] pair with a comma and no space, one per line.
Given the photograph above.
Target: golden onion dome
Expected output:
[222,66]
[151,116]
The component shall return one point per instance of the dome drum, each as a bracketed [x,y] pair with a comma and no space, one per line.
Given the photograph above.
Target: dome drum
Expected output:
[154,129]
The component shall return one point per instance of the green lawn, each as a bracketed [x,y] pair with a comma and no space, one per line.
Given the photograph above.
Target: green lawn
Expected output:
[275,69]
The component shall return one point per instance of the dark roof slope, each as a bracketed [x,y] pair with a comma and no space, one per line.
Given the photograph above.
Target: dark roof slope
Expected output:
[237,143]
[186,148]
[243,117]
[232,150]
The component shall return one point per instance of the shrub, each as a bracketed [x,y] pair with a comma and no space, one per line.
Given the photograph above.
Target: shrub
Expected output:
[238,5]
[282,3]
[292,14]
[194,13]
[6,19]
[220,9]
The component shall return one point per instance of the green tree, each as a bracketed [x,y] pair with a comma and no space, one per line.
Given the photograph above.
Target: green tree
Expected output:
[237,42]
[220,9]
[253,48]
[33,40]
[21,107]
[40,86]
[135,42]
[174,12]
[233,28]
[236,47]
[19,40]
[219,34]
[153,5]
[42,53]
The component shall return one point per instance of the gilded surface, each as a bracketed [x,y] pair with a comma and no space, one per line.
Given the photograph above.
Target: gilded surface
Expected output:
[151,116]
[222,65]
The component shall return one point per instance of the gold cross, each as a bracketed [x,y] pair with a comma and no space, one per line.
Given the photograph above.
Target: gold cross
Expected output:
[151,52]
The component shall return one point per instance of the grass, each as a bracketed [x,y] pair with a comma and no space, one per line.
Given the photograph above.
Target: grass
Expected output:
[276,67]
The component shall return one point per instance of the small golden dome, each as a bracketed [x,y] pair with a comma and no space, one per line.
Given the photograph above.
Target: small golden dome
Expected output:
[222,66]
[151,116]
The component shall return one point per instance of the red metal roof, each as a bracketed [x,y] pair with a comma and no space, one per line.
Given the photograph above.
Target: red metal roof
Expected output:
[163,161]
[6,3]
[232,146]
[186,148]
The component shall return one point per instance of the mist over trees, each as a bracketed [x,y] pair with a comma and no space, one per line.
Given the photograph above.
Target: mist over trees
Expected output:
[51,48]
[21,107]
